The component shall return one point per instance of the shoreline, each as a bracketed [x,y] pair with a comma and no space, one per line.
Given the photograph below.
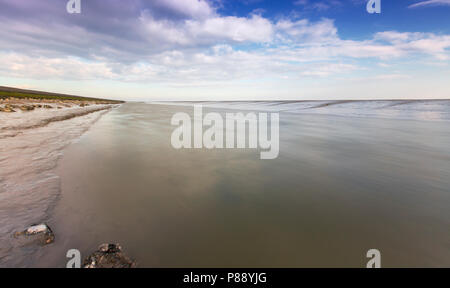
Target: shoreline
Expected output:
[32,141]
[17,115]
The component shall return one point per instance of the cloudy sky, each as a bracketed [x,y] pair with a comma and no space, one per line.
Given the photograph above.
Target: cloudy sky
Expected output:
[228,49]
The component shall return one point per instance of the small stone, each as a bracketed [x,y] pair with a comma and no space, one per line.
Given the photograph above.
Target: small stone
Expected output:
[42,228]
[40,233]
[27,107]
[7,110]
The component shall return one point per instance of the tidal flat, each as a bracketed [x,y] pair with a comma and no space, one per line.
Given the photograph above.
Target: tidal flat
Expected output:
[344,182]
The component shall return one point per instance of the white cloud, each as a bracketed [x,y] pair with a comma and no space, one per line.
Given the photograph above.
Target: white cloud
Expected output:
[395,76]
[303,31]
[426,43]
[327,69]
[318,5]
[23,66]
[291,55]
[237,29]
[430,3]
[189,8]
[200,47]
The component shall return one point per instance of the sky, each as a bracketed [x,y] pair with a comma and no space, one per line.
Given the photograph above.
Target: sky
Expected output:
[140,50]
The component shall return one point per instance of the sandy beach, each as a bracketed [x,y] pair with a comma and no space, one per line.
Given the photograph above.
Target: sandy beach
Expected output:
[33,134]
[18,114]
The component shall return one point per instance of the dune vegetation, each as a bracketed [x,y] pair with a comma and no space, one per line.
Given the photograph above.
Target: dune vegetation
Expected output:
[8,92]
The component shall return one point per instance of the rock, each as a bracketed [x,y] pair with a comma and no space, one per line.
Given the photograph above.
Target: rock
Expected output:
[108,256]
[7,109]
[27,107]
[48,107]
[40,233]
[42,228]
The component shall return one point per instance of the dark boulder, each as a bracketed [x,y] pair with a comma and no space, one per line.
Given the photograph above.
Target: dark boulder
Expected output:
[27,107]
[108,256]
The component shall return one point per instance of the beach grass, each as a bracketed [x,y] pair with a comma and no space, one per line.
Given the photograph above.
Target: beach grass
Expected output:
[9,92]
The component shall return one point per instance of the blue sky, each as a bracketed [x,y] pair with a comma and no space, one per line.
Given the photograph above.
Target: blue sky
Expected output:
[350,16]
[228,49]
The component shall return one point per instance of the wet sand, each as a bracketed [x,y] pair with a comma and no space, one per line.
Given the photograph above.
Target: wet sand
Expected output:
[31,143]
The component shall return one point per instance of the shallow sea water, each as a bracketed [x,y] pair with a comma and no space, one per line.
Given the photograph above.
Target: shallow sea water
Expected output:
[340,186]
